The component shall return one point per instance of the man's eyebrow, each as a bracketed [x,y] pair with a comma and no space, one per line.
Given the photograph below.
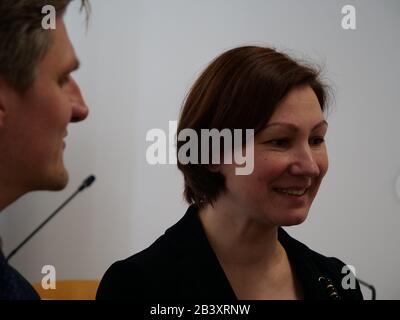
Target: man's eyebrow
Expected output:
[293,128]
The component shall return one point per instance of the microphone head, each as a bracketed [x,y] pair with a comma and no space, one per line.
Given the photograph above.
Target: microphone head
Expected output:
[87,182]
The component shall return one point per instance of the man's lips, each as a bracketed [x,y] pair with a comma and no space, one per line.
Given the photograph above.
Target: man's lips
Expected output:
[64,144]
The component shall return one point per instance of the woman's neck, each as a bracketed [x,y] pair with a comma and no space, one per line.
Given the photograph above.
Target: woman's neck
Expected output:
[239,240]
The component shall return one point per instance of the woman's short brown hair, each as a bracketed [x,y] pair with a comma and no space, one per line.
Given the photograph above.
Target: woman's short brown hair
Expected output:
[240,89]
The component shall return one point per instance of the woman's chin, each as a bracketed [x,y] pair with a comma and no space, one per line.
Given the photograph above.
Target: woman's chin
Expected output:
[293,219]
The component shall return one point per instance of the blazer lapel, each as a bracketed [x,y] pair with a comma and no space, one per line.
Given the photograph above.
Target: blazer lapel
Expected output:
[201,275]
[315,282]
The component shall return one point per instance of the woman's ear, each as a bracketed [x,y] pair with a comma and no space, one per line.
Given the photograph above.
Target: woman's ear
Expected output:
[5,106]
[2,104]
[214,167]
[2,116]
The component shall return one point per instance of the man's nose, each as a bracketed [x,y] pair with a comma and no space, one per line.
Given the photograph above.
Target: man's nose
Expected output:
[304,163]
[80,110]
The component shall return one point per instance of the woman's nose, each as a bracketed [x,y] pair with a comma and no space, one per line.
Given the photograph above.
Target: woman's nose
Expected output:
[305,164]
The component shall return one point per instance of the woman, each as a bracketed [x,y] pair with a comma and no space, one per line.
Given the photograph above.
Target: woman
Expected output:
[230,244]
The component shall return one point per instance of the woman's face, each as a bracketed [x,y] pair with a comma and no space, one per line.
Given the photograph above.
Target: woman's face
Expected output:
[290,160]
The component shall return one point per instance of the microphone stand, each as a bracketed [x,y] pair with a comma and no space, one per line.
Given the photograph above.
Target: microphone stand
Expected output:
[86,183]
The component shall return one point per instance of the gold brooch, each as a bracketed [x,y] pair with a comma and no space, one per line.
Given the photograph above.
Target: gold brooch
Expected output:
[329,287]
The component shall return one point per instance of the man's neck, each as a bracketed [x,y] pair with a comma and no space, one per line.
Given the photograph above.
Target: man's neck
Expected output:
[8,195]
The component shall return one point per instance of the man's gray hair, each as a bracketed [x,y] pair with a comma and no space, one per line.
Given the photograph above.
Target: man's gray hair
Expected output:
[23,41]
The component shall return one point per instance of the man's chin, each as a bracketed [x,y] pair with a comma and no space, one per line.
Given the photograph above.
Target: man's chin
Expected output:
[57,182]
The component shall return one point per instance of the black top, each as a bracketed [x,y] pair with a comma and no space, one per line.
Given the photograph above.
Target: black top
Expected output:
[13,286]
[181,265]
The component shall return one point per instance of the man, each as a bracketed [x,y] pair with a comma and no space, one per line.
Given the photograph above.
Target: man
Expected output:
[38,99]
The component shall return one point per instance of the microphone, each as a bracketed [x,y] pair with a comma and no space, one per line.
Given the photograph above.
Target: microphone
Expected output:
[370,287]
[85,184]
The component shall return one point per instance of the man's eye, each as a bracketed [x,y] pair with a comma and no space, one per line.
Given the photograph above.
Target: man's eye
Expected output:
[64,80]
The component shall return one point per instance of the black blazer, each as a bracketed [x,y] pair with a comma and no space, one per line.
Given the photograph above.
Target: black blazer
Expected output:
[181,265]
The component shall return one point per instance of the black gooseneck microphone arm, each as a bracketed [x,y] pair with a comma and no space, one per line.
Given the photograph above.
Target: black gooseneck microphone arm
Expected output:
[85,184]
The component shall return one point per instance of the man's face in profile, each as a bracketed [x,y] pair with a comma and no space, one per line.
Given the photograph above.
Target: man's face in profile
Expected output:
[37,120]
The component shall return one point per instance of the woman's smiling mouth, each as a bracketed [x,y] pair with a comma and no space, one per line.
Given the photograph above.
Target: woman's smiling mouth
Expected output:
[291,191]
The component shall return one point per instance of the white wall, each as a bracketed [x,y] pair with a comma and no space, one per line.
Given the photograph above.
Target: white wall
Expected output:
[140,57]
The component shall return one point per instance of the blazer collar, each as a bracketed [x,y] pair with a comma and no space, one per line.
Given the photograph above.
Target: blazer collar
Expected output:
[202,274]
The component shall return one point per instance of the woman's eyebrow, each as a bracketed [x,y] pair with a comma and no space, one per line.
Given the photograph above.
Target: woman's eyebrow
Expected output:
[294,128]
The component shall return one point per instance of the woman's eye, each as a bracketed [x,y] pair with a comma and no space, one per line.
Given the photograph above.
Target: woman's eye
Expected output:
[317,140]
[279,142]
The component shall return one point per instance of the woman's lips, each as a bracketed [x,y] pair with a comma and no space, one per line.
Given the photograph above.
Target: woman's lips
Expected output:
[293,195]
[291,191]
